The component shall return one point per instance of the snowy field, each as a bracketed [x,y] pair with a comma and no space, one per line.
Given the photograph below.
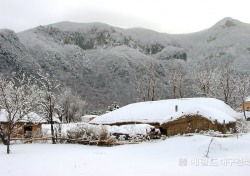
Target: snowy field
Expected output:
[174,156]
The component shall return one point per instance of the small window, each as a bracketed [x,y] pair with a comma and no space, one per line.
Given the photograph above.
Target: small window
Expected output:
[247,109]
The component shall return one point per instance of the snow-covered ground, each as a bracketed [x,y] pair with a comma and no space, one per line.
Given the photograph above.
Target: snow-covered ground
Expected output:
[174,156]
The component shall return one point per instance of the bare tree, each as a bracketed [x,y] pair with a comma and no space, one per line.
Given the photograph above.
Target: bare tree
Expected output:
[226,77]
[243,86]
[147,83]
[176,79]
[64,101]
[71,107]
[49,99]
[204,74]
[18,97]
[219,79]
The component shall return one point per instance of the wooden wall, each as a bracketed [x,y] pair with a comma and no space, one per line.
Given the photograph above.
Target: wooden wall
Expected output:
[19,129]
[246,106]
[193,124]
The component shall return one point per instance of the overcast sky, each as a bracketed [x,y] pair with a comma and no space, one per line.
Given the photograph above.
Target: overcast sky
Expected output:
[169,16]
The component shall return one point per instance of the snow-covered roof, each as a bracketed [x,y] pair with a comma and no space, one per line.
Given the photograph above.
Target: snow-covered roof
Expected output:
[31,117]
[164,110]
[34,118]
[87,118]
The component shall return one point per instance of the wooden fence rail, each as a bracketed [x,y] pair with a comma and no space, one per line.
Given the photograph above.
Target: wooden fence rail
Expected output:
[76,141]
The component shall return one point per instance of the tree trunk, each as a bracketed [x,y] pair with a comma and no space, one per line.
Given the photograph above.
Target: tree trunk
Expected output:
[174,92]
[52,132]
[51,126]
[8,144]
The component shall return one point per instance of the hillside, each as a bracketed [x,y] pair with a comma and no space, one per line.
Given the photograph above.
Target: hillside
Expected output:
[13,54]
[228,38]
[100,62]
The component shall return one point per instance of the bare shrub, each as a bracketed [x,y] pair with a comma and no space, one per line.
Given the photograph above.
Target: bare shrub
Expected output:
[103,133]
[208,148]
[111,140]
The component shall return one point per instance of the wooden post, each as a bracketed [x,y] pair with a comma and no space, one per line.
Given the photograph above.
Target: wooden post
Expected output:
[176,108]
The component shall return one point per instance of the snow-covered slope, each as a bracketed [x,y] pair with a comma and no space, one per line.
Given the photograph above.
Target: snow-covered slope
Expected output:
[99,35]
[96,60]
[14,56]
[164,110]
[228,39]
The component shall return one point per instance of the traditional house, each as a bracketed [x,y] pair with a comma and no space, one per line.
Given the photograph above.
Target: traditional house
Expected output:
[29,126]
[175,116]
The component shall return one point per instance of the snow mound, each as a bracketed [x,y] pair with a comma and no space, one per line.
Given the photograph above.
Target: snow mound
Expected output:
[165,110]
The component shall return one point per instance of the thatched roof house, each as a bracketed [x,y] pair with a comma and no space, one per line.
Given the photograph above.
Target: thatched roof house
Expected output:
[29,126]
[175,116]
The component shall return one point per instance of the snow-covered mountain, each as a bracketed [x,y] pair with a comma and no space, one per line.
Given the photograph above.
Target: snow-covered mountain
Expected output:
[100,62]
[13,54]
[227,38]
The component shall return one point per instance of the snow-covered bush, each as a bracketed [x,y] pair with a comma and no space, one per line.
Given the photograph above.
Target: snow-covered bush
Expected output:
[242,126]
[82,132]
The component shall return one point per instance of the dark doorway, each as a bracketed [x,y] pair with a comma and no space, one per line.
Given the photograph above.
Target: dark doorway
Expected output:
[27,131]
[163,131]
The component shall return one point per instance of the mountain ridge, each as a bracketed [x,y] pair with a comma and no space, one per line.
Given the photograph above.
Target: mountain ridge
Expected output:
[101,62]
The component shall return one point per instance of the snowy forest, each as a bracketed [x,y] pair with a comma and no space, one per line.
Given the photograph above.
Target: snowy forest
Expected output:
[102,64]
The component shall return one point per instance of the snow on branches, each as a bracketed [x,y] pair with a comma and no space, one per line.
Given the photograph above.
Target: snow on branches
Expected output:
[18,97]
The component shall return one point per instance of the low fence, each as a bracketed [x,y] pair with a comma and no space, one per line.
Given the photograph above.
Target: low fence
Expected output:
[71,141]
[31,140]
